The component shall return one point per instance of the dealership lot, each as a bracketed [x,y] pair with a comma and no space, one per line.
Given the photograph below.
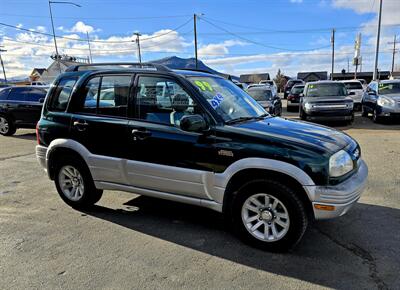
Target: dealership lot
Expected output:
[129,241]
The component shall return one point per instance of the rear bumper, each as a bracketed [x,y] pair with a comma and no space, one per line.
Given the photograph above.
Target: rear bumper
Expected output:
[341,197]
[41,152]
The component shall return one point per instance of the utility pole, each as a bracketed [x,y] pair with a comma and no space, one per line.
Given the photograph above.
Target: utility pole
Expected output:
[333,52]
[52,26]
[2,64]
[90,50]
[348,65]
[377,41]
[394,51]
[138,45]
[195,39]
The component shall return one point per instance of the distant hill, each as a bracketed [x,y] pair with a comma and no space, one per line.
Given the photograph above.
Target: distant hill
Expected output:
[175,62]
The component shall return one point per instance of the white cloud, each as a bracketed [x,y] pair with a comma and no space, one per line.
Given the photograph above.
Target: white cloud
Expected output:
[218,49]
[79,27]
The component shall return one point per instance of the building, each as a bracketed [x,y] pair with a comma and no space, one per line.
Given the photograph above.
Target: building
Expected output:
[253,78]
[367,76]
[313,76]
[47,75]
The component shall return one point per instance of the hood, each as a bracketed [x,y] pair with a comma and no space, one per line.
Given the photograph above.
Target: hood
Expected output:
[302,133]
[265,104]
[395,97]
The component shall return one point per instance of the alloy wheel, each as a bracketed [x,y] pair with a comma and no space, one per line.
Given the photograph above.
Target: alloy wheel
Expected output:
[265,217]
[71,183]
[4,126]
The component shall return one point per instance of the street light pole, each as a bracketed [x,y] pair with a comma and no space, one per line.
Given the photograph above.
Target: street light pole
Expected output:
[377,42]
[90,50]
[195,38]
[52,26]
[333,52]
[138,46]
[2,64]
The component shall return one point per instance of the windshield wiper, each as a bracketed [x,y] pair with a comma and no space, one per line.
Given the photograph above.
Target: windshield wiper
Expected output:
[238,120]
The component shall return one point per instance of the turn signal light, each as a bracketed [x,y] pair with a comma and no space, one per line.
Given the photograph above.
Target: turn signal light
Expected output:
[324,207]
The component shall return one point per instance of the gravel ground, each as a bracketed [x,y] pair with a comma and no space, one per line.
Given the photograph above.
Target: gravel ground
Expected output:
[132,241]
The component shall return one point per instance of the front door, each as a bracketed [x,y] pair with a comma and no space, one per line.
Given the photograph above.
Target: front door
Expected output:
[162,156]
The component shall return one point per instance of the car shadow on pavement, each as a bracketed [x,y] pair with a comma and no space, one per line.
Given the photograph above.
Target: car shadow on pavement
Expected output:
[25,136]
[348,252]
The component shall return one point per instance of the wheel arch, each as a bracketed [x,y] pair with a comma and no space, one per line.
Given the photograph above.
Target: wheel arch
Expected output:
[61,147]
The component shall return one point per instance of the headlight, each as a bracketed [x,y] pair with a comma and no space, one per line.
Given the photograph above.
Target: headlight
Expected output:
[340,163]
[308,106]
[350,105]
[385,102]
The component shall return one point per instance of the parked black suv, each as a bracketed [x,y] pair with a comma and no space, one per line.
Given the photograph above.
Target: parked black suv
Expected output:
[20,107]
[326,101]
[289,85]
[195,138]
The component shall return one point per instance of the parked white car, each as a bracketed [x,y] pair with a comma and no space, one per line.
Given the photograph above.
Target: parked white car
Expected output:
[355,90]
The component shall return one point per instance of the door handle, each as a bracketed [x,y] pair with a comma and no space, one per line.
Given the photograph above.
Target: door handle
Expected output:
[80,126]
[140,134]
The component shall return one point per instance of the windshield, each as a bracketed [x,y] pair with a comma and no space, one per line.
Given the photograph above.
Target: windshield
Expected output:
[389,88]
[260,95]
[326,90]
[227,99]
[292,83]
[297,90]
[353,86]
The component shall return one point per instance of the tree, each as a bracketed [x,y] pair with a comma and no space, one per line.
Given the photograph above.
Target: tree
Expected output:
[280,80]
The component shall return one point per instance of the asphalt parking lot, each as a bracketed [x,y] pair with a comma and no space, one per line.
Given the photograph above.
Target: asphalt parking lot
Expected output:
[130,241]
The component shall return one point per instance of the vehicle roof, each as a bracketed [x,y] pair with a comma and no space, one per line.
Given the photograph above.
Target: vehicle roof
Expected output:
[390,81]
[260,88]
[298,86]
[324,82]
[28,86]
[351,81]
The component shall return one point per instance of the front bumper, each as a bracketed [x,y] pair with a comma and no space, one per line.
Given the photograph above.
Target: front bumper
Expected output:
[388,111]
[338,199]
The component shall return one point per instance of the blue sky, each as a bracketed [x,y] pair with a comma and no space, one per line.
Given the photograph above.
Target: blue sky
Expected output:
[234,36]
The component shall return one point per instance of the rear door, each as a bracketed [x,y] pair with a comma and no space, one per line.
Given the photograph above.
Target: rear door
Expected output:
[34,98]
[99,123]
[16,105]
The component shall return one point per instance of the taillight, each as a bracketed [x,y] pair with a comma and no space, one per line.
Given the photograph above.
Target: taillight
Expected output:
[37,133]
[290,97]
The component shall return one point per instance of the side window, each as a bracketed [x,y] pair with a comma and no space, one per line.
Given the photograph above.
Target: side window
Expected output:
[4,94]
[34,95]
[16,94]
[162,100]
[92,92]
[61,95]
[113,97]
[107,95]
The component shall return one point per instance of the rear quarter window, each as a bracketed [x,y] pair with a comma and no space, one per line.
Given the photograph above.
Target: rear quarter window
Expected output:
[35,94]
[4,94]
[61,94]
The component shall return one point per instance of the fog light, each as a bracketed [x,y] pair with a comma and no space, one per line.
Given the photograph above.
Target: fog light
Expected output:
[324,207]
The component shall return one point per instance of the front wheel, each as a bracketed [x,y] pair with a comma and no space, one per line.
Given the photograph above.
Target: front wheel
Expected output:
[364,112]
[7,127]
[375,117]
[74,183]
[269,215]
[303,115]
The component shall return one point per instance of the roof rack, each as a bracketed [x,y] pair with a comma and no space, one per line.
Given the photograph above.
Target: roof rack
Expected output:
[117,65]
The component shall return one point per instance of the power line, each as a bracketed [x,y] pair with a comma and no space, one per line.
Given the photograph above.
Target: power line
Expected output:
[258,43]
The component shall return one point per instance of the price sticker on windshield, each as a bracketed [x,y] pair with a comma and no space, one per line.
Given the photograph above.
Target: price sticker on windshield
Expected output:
[216,101]
[204,86]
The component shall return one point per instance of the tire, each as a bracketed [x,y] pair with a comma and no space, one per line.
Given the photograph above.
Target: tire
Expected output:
[364,113]
[7,126]
[83,193]
[283,208]
[303,116]
[375,117]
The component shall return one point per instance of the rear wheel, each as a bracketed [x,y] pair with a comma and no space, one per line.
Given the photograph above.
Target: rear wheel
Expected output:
[7,127]
[269,215]
[74,183]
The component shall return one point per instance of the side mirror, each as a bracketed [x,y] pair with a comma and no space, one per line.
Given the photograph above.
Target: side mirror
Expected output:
[372,93]
[301,95]
[193,123]
[351,93]
[41,100]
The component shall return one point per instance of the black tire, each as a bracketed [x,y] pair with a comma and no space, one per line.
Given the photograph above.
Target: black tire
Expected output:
[303,115]
[375,117]
[364,113]
[90,195]
[11,129]
[297,214]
